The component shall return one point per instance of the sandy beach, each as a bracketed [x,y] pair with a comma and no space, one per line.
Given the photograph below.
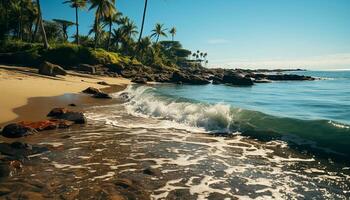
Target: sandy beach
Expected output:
[19,85]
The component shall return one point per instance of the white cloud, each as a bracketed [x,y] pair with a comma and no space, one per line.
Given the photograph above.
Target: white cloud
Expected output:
[218,41]
[334,61]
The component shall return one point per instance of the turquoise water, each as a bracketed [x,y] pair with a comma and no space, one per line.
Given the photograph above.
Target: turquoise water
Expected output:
[307,113]
[307,100]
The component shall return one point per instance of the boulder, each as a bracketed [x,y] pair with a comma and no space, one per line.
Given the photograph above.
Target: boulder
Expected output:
[50,69]
[102,95]
[237,79]
[66,115]
[91,90]
[87,68]
[139,80]
[15,130]
[76,117]
[72,104]
[57,112]
[179,77]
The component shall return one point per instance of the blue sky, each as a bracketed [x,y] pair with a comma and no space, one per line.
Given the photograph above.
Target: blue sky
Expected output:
[244,33]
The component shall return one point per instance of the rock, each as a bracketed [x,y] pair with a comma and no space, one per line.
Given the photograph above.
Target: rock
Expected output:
[18,150]
[64,115]
[50,69]
[139,80]
[288,77]
[76,117]
[189,78]
[16,130]
[124,96]
[236,79]
[40,125]
[4,170]
[102,83]
[57,112]
[91,90]
[87,68]
[72,104]
[102,95]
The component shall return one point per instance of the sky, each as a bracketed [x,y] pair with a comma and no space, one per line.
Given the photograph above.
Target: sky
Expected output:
[310,34]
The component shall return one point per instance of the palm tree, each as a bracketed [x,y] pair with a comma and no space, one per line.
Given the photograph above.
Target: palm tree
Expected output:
[173,33]
[129,29]
[76,4]
[46,44]
[64,25]
[158,31]
[114,18]
[104,9]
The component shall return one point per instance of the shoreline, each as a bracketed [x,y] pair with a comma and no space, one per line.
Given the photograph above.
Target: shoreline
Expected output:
[27,94]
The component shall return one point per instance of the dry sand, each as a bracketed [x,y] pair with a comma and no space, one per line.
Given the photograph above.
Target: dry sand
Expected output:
[19,84]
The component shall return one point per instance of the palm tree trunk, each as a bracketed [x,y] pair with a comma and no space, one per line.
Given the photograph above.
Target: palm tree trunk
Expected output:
[110,34]
[96,31]
[172,38]
[46,44]
[157,39]
[35,29]
[143,21]
[77,25]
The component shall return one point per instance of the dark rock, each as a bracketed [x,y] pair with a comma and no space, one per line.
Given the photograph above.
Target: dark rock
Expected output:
[65,116]
[102,95]
[19,151]
[124,96]
[139,80]
[21,145]
[87,68]
[288,77]
[16,130]
[4,170]
[76,117]
[91,90]
[50,69]
[189,78]
[102,83]
[118,68]
[236,79]
[57,112]
[72,104]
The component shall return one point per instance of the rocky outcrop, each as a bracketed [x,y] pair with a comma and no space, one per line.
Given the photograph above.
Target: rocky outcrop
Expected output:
[179,77]
[86,68]
[16,130]
[236,79]
[50,69]
[280,77]
[139,80]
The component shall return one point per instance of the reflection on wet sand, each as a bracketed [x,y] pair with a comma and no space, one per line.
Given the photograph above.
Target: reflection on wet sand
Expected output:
[115,160]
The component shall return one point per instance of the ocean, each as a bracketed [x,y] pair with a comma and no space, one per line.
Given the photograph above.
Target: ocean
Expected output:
[279,140]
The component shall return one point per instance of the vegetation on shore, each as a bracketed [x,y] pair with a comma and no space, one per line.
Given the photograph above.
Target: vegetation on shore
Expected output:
[29,39]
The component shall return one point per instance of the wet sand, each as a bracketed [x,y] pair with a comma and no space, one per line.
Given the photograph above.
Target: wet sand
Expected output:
[120,156]
[18,85]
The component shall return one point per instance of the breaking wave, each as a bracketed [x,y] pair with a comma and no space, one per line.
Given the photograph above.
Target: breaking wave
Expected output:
[329,136]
